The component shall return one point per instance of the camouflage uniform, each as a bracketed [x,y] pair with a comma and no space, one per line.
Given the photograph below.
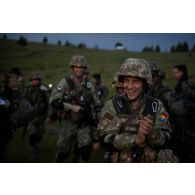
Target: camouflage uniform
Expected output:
[101,90]
[75,126]
[14,110]
[117,85]
[7,127]
[119,90]
[158,90]
[119,122]
[183,114]
[38,97]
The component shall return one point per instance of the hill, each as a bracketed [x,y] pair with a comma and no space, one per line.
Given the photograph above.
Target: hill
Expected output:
[52,61]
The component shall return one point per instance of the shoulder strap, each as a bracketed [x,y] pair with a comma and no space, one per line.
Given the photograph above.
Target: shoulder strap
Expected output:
[133,115]
[70,82]
[87,84]
[151,106]
[121,105]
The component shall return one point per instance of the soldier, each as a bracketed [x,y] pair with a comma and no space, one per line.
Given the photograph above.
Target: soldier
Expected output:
[119,90]
[101,90]
[14,110]
[37,95]
[74,98]
[17,72]
[7,127]
[183,111]
[134,126]
[158,90]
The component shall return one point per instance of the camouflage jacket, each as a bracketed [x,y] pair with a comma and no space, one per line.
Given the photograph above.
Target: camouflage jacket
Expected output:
[102,93]
[162,93]
[112,125]
[38,98]
[183,100]
[82,94]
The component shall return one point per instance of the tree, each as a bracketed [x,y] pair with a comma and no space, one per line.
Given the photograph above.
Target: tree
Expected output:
[172,49]
[157,49]
[22,41]
[182,47]
[4,36]
[185,47]
[118,44]
[68,44]
[81,45]
[148,49]
[59,42]
[193,48]
[45,40]
[179,47]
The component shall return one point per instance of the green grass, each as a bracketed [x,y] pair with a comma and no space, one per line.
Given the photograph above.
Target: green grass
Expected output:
[52,61]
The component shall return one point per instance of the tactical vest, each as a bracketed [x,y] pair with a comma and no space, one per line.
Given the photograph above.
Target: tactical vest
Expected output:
[121,105]
[81,97]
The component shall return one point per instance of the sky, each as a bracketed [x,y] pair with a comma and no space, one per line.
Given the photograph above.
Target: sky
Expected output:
[132,41]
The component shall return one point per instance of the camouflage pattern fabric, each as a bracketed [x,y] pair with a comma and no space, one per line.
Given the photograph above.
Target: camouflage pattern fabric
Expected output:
[102,93]
[74,126]
[22,114]
[39,101]
[183,116]
[136,68]
[166,156]
[124,142]
[78,60]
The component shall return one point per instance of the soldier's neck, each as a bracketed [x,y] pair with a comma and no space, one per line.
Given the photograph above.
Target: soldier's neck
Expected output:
[78,79]
[136,103]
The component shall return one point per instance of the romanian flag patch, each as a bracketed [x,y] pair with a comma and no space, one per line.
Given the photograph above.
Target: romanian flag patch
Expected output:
[163,117]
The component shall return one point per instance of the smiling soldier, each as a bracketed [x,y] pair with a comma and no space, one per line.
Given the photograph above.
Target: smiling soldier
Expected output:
[135,126]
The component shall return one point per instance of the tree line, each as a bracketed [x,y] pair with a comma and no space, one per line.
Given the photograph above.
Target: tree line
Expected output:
[180,47]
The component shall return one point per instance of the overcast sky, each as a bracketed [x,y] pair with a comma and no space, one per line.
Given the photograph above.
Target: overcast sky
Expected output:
[132,41]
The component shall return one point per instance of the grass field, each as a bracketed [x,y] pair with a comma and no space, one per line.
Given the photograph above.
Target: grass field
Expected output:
[52,61]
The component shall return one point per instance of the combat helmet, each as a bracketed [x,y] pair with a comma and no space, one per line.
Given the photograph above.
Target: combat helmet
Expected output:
[35,76]
[115,82]
[78,60]
[14,81]
[136,68]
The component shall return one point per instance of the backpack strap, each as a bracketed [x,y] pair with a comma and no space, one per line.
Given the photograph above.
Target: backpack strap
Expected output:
[121,105]
[71,84]
[122,108]
[151,106]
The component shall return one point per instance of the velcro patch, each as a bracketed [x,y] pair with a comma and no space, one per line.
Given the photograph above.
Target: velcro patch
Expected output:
[108,116]
[163,117]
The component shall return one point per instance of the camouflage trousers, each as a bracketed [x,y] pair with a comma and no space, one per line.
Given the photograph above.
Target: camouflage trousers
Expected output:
[37,130]
[35,133]
[71,134]
[147,155]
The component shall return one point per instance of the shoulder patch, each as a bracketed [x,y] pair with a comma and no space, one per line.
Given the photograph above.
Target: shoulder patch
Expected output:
[105,120]
[88,85]
[108,116]
[2,102]
[121,105]
[163,117]
[59,88]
